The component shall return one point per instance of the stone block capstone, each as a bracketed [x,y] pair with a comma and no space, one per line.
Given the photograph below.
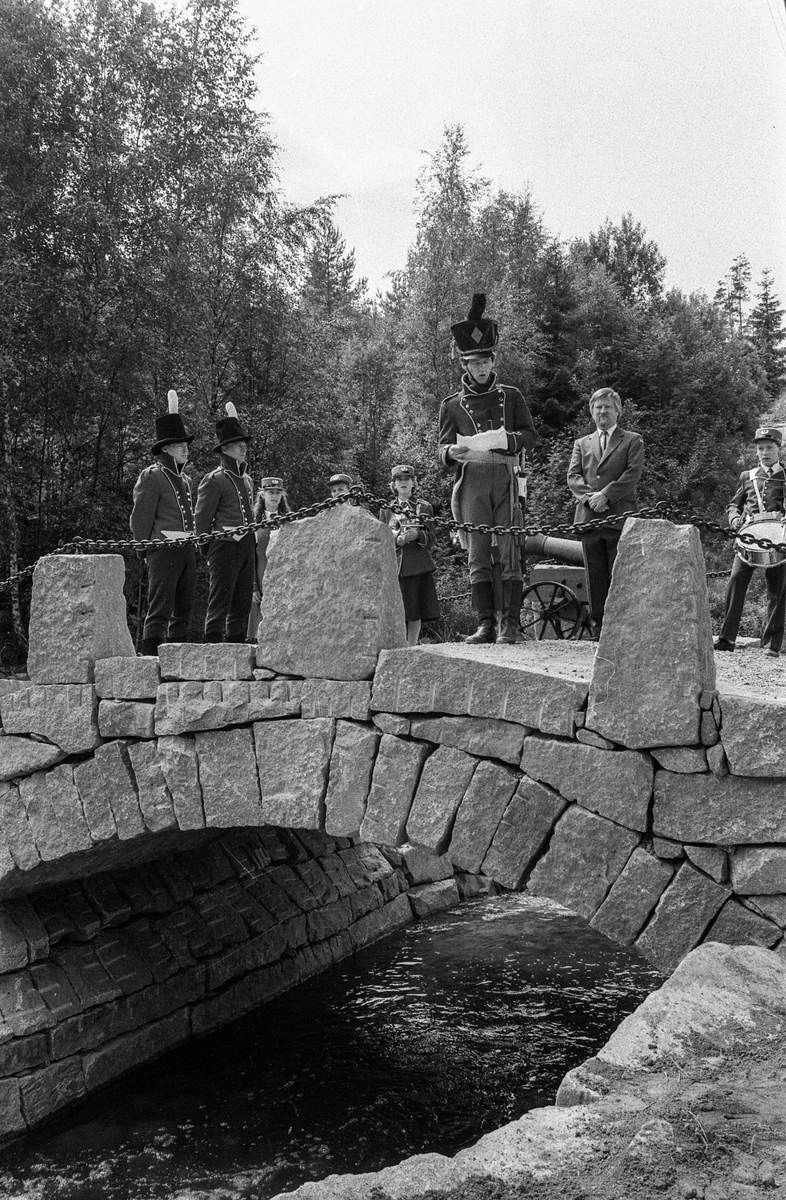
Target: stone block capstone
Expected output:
[213,704]
[77,615]
[340,698]
[655,656]
[127,678]
[460,680]
[218,660]
[331,623]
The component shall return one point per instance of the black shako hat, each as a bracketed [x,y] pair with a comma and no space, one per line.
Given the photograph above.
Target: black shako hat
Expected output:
[170,427]
[229,429]
[478,334]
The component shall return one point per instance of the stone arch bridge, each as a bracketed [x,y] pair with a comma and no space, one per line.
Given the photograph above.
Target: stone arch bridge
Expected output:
[184,837]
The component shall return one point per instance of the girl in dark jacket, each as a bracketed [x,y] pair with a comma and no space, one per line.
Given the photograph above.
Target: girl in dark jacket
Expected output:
[414,535]
[271,499]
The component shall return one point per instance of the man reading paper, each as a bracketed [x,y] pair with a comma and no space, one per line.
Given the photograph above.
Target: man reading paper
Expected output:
[483,427]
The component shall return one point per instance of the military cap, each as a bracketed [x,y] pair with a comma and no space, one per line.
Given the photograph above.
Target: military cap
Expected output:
[336,479]
[768,433]
[272,481]
[402,470]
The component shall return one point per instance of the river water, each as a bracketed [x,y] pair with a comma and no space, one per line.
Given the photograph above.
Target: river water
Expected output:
[424,1041]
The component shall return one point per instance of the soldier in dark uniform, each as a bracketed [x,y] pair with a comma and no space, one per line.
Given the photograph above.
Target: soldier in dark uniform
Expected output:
[486,489]
[225,501]
[760,494]
[164,509]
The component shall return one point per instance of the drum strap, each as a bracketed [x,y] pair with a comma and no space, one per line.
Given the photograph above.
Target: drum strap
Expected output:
[757,490]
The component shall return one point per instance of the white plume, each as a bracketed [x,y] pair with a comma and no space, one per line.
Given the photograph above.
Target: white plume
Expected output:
[231,410]
[172,400]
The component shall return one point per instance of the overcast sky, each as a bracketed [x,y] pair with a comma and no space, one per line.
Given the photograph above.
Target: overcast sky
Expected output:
[672,109]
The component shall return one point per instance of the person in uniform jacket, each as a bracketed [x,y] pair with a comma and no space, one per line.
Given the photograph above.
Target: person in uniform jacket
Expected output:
[225,501]
[163,509]
[271,501]
[605,468]
[414,536]
[759,494]
[486,485]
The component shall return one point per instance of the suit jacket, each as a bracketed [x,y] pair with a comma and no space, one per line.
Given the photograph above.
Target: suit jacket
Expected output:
[162,500]
[744,504]
[614,473]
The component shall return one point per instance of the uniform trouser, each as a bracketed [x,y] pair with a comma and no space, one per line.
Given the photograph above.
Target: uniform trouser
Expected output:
[600,550]
[485,500]
[171,583]
[231,589]
[775,582]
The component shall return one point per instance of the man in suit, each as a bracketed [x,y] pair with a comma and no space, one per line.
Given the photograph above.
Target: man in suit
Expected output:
[486,491]
[761,493]
[164,510]
[605,467]
[226,501]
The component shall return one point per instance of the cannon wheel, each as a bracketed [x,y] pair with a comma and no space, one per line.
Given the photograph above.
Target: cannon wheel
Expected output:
[552,606]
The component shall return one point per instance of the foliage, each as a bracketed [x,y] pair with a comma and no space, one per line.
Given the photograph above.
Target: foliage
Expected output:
[144,244]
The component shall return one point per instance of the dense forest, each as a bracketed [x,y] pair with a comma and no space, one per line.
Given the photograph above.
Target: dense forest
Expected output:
[145,244]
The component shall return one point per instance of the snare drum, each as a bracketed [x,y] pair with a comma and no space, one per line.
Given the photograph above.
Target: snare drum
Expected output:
[757,556]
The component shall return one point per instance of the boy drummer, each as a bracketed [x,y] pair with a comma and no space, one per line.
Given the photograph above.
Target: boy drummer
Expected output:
[760,495]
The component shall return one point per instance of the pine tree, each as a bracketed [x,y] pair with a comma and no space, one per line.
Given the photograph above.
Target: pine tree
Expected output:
[765,328]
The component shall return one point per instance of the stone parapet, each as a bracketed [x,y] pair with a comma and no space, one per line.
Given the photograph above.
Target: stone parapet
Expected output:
[655,657]
[482,736]
[331,623]
[77,615]
[472,681]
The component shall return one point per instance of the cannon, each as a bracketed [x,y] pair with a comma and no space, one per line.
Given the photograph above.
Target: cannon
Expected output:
[554,603]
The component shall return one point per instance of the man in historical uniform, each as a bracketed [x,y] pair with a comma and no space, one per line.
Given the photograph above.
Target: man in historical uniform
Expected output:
[605,468]
[759,496]
[163,509]
[483,428]
[226,501]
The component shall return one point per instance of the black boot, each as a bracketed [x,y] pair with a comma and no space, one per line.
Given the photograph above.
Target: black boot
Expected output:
[509,628]
[483,605]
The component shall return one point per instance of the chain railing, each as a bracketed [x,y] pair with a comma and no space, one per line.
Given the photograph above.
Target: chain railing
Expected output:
[358,495]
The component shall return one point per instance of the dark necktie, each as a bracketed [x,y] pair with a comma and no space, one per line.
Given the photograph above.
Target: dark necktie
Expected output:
[603,439]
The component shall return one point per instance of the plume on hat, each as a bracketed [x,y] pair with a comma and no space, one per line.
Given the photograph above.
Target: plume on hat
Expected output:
[231,410]
[478,306]
[172,401]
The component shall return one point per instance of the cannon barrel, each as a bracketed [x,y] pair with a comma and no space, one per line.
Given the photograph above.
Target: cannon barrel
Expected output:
[563,549]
